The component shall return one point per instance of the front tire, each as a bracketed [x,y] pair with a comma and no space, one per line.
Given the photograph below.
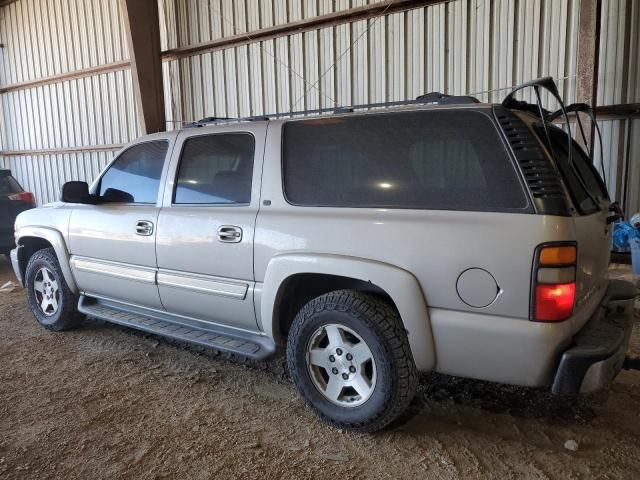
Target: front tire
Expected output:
[51,301]
[349,356]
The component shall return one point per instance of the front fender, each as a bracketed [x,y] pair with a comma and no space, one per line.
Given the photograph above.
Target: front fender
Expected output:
[400,285]
[55,238]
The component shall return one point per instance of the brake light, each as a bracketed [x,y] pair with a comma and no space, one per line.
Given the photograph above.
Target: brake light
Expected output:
[554,282]
[555,302]
[26,197]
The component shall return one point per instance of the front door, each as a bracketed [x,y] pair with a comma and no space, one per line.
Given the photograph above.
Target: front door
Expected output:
[206,225]
[112,243]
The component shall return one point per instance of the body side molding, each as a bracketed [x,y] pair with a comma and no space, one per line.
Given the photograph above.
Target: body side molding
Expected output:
[114,269]
[203,284]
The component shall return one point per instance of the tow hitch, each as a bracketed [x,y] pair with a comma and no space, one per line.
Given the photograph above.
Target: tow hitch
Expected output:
[631,363]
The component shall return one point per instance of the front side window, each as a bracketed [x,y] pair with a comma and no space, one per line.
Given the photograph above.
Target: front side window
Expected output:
[438,159]
[134,177]
[216,169]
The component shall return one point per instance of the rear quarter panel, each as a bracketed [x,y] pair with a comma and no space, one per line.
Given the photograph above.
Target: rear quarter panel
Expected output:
[435,247]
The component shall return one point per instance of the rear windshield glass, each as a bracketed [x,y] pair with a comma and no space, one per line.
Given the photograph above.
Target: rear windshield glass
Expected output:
[582,197]
[425,160]
[8,184]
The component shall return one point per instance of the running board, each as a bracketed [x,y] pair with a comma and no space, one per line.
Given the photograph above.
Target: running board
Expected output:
[225,339]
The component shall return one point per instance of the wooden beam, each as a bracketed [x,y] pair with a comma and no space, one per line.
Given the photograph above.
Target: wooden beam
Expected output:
[61,77]
[142,23]
[322,21]
[588,54]
[62,151]
[618,112]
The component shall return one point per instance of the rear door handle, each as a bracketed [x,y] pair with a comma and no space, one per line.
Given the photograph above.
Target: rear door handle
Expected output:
[229,234]
[144,228]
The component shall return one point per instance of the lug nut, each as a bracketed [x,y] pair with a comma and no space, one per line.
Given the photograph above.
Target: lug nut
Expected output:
[345,376]
[334,370]
[352,369]
[332,358]
[339,351]
[349,357]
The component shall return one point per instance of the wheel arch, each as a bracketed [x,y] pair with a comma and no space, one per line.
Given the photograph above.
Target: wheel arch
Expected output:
[32,239]
[291,280]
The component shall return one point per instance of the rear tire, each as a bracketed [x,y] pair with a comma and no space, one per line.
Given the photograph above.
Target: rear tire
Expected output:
[349,356]
[51,301]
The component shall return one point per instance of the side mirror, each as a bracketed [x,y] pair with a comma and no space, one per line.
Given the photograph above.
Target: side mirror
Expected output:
[76,192]
[113,195]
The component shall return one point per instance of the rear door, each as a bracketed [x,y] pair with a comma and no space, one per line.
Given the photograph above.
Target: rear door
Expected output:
[591,203]
[206,225]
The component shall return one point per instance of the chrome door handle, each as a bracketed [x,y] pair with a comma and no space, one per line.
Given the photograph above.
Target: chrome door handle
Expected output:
[229,234]
[144,228]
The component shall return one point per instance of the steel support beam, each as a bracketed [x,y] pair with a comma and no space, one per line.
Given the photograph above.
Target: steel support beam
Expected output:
[373,10]
[588,54]
[142,24]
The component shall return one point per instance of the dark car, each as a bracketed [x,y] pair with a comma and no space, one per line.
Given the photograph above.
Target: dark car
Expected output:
[13,200]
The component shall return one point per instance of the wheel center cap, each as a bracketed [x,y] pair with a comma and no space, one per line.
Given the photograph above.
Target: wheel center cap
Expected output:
[343,362]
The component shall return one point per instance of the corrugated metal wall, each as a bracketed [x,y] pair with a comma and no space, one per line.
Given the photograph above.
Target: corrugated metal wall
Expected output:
[478,47]
[50,37]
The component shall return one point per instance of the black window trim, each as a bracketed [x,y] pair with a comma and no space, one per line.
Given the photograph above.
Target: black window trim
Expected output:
[575,206]
[526,209]
[11,177]
[212,205]
[160,186]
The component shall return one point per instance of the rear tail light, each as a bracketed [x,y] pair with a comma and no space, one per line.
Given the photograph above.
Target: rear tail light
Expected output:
[26,197]
[564,255]
[554,282]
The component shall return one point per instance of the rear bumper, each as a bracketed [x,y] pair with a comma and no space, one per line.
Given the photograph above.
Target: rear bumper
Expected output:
[16,265]
[598,351]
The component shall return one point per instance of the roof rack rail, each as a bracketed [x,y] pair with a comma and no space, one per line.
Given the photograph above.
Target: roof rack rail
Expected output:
[436,98]
[207,120]
[442,99]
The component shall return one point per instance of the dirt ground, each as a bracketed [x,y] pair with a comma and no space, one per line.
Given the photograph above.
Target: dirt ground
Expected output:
[106,402]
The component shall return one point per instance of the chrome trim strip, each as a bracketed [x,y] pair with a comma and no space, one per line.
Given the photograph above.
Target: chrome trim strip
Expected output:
[112,269]
[203,284]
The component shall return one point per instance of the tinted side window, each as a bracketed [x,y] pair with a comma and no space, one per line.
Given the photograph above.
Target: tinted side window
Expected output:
[426,160]
[216,169]
[589,175]
[135,176]
[8,184]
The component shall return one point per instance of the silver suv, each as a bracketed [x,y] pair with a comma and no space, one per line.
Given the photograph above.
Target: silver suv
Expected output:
[445,235]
